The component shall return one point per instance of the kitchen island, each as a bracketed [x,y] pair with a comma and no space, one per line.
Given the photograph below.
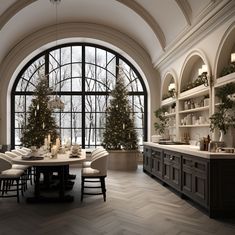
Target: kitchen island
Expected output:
[207,178]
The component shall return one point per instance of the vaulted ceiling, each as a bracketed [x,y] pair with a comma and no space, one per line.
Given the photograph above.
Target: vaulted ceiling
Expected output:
[156,25]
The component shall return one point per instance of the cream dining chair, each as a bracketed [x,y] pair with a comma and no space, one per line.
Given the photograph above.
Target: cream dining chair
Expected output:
[10,179]
[96,173]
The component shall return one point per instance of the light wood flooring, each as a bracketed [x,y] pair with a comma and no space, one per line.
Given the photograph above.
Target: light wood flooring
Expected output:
[136,204]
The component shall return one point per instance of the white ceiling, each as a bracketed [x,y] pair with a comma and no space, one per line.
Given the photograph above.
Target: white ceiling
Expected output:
[154,24]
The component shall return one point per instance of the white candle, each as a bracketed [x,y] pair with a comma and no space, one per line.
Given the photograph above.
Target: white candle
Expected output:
[49,139]
[233,57]
[123,126]
[199,72]
[204,68]
[57,142]
[43,125]
[45,142]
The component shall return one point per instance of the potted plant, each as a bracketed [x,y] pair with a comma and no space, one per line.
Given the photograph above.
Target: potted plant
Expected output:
[120,136]
[224,117]
[162,120]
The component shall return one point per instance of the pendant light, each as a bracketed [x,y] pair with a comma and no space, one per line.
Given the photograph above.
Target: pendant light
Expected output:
[56,103]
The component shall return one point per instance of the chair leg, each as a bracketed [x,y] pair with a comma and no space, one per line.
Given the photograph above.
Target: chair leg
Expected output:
[17,190]
[102,181]
[82,190]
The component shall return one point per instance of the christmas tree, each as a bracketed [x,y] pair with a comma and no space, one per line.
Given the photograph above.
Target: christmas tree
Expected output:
[120,132]
[40,121]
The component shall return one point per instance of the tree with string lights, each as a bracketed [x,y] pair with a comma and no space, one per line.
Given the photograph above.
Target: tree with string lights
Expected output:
[120,132]
[40,122]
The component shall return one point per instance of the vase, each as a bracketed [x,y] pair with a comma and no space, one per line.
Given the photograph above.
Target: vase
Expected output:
[221,138]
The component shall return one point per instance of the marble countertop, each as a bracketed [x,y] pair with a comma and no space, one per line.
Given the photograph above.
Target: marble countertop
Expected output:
[192,150]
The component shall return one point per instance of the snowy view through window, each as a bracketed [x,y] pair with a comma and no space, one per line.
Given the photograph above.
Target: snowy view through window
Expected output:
[83,77]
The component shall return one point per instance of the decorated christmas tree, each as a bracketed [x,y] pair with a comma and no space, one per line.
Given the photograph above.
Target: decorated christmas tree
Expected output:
[40,122]
[120,132]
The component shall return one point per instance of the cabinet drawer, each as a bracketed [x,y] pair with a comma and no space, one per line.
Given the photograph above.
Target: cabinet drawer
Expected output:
[156,153]
[147,152]
[172,158]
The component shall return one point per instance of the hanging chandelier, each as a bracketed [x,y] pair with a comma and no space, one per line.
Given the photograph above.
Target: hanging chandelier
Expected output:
[56,102]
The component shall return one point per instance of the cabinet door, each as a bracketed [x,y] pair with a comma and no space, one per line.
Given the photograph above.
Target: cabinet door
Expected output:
[172,169]
[195,178]
[187,175]
[147,159]
[200,181]
[157,162]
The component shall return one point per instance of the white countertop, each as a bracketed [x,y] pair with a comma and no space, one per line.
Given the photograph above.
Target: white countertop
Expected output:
[192,150]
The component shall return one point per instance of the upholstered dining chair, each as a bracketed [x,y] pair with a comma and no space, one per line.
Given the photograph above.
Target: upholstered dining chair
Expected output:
[95,153]
[10,179]
[29,169]
[25,168]
[96,173]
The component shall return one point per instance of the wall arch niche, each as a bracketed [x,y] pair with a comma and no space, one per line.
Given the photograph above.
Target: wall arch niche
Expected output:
[169,90]
[82,75]
[223,57]
[225,74]
[194,98]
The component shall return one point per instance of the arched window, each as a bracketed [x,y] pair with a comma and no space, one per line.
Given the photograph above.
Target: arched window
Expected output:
[82,75]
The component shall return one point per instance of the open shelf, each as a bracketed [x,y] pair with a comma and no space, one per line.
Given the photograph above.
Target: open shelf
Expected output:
[195,110]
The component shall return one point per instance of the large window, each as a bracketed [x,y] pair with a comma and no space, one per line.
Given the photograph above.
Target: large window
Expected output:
[82,75]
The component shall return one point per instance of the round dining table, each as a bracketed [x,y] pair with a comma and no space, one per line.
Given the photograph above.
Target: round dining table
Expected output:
[47,165]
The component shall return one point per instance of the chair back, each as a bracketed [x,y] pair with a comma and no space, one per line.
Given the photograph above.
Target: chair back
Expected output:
[17,152]
[97,150]
[11,154]
[4,164]
[23,152]
[3,155]
[100,163]
[97,153]
[28,150]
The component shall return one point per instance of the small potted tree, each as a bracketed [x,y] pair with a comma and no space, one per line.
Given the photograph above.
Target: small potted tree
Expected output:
[160,124]
[224,117]
[120,136]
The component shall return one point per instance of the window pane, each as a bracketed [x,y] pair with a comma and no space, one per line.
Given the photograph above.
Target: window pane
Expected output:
[100,120]
[66,99]
[101,57]
[77,70]
[90,137]
[19,119]
[90,103]
[65,120]
[76,120]
[17,136]
[76,54]
[90,55]
[19,103]
[76,103]
[65,55]
[77,136]
[90,120]
[76,84]
[66,136]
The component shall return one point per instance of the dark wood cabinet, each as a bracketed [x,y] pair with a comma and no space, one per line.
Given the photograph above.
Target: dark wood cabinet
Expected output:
[156,156]
[208,182]
[147,159]
[195,178]
[172,168]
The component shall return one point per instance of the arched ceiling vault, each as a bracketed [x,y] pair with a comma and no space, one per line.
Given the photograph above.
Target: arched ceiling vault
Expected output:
[156,25]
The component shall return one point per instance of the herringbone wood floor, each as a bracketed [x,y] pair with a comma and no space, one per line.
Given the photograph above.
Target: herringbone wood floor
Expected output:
[136,204]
